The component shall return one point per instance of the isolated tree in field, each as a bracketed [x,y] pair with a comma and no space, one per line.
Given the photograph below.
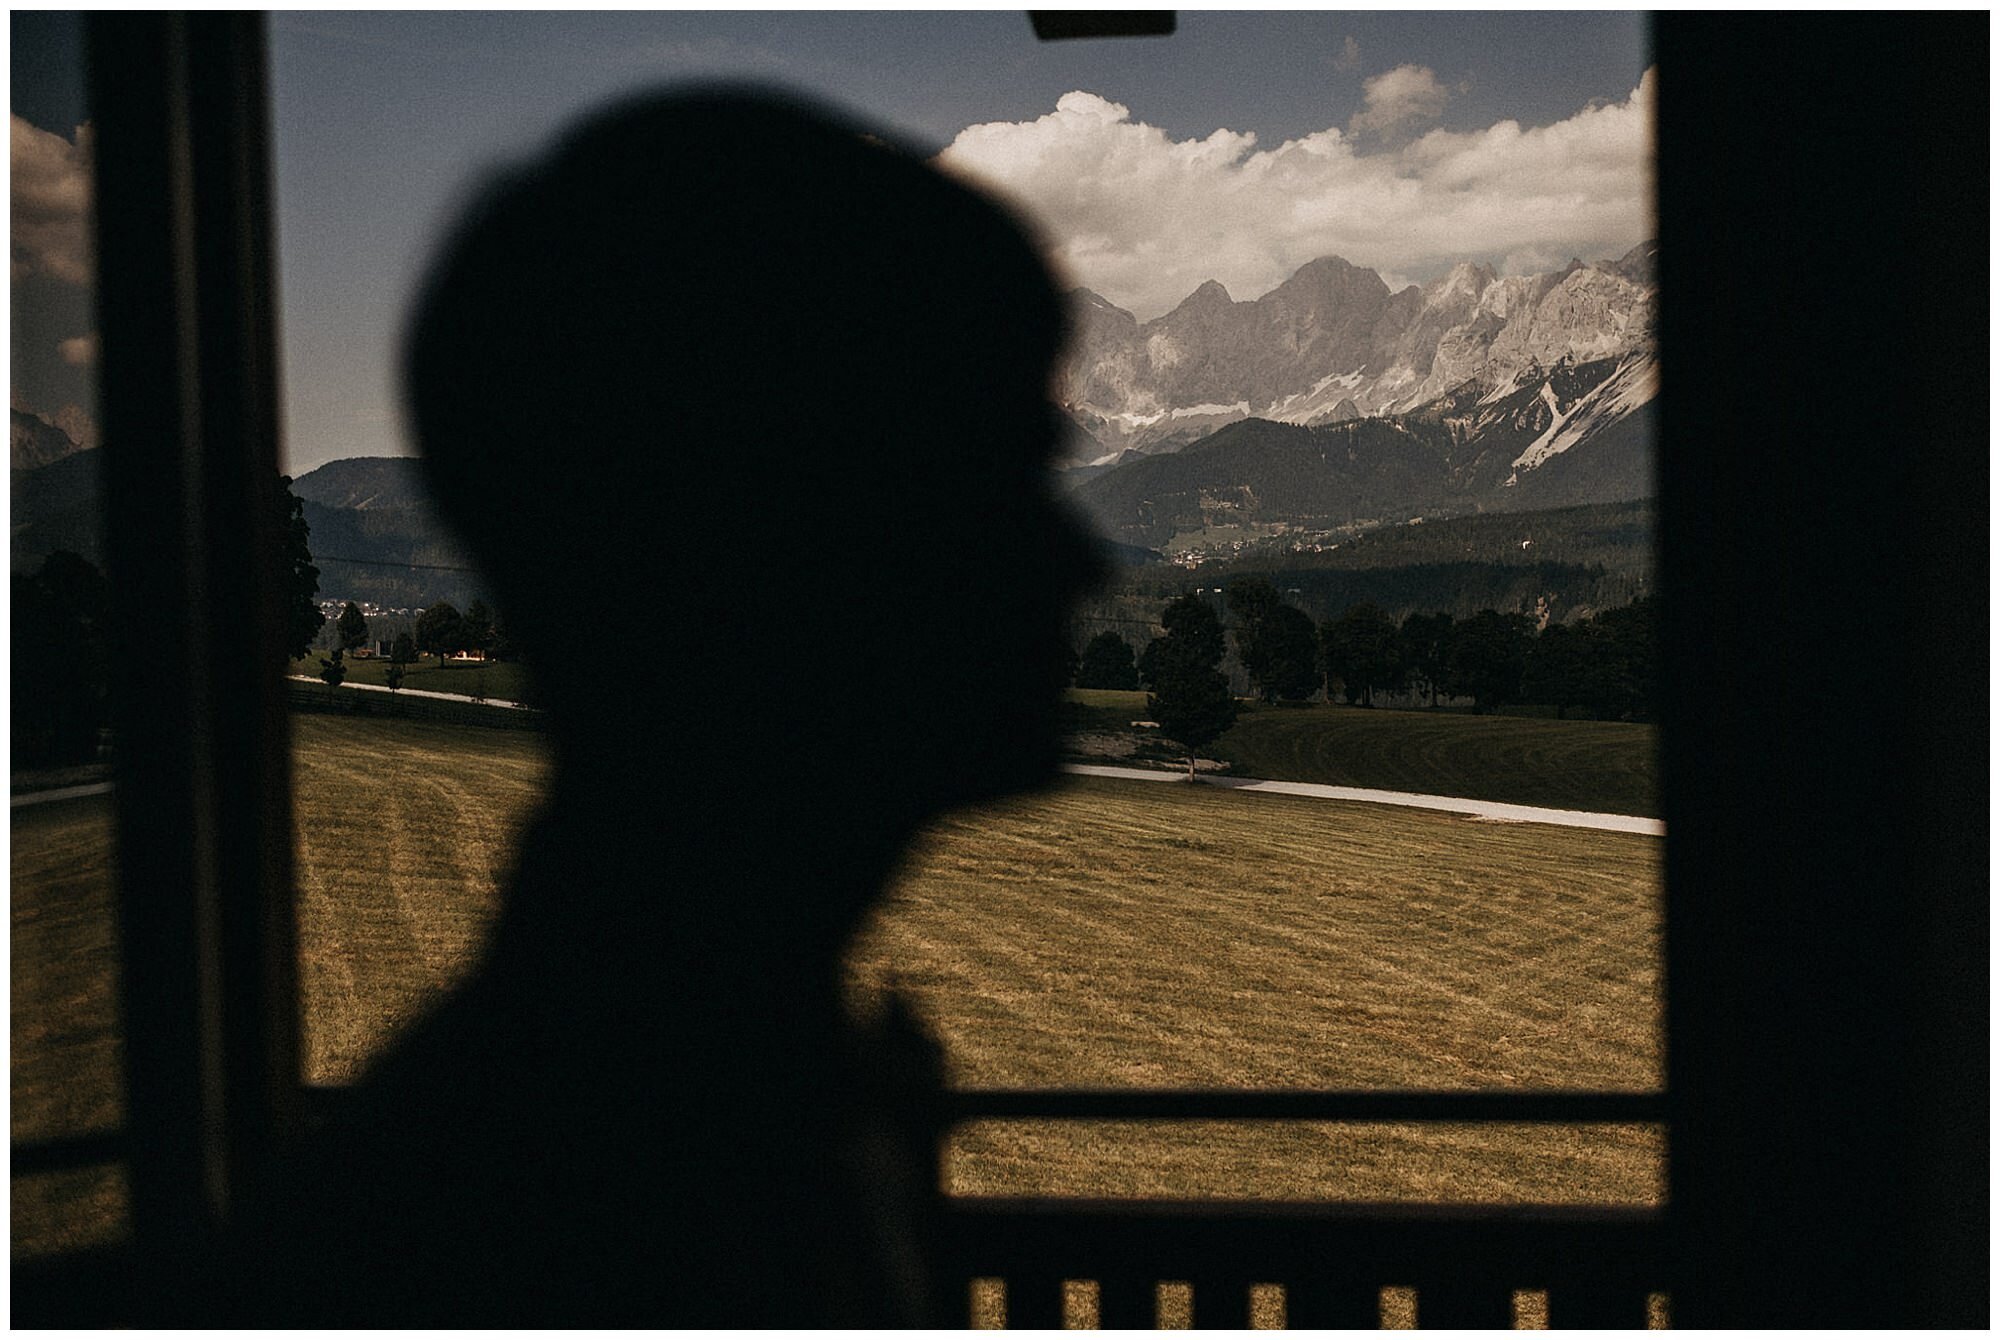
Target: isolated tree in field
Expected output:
[1425,639]
[1107,664]
[351,627]
[1488,653]
[1190,697]
[439,630]
[302,617]
[393,676]
[476,631]
[1362,651]
[1192,630]
[333,669]
[403,650]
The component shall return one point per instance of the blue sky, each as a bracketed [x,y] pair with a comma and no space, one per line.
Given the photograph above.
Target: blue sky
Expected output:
[383,120]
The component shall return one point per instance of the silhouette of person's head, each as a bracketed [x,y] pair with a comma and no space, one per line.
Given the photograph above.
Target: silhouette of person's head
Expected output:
[745,413]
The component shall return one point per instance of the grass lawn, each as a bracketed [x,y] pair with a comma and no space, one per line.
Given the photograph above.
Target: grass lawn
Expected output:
[506,681]
[1106,933]
[64,1053]
[1610,766]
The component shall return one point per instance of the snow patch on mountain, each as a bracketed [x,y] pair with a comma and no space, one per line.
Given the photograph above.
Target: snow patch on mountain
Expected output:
[1631,386]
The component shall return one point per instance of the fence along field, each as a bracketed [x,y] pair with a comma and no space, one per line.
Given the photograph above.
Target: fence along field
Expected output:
[1105,933]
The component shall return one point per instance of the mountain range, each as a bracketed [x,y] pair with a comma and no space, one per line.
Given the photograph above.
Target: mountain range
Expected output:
[1332,403]
[1329,403]
[1333,343]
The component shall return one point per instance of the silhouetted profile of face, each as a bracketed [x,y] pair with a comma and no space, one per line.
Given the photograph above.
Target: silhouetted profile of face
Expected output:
[745,414]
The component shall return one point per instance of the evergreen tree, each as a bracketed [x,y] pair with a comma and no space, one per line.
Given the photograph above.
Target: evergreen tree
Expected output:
[1190,697]
[476,631]
[439,630]
[503,646]
[302,617]
[393,676]
[1290,651]
[1488,653]
[351,627]
[1192,630]
[1252,601]
[1107,664]
[333,669]
[1557,667]
[1620,678]
[1361,649]
[403,650]
[60,686]
[1425,638]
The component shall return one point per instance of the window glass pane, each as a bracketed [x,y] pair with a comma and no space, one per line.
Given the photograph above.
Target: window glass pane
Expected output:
[65,1082]
[1362,374]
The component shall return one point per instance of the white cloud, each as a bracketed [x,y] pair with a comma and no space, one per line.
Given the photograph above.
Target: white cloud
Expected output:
[50,203]
[80,352]
[1399,100]
[1143,218]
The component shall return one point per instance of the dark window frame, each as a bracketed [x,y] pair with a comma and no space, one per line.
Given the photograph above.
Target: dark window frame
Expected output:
[1826,1030]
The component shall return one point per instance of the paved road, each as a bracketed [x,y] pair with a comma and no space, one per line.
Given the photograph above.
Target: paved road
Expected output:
[1483,809]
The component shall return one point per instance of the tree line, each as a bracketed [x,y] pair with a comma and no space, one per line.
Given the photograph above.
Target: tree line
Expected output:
[63,636]
[1606,665]
[441,631]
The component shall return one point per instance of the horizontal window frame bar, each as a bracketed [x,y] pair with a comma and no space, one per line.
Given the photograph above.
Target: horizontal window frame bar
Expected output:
[68,1153]
[1495,1247]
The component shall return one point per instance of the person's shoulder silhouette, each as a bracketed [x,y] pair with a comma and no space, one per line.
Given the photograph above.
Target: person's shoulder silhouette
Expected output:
[744,414]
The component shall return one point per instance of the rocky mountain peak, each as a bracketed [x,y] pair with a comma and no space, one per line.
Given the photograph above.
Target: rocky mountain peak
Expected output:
[1462,285]
[1211,294]
[1637,266]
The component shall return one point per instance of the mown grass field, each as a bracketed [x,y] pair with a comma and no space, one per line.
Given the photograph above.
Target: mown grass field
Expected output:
[1607,766]
[1106,933]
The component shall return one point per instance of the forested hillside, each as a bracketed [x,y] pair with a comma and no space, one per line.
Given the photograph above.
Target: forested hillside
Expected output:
[1566,562]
